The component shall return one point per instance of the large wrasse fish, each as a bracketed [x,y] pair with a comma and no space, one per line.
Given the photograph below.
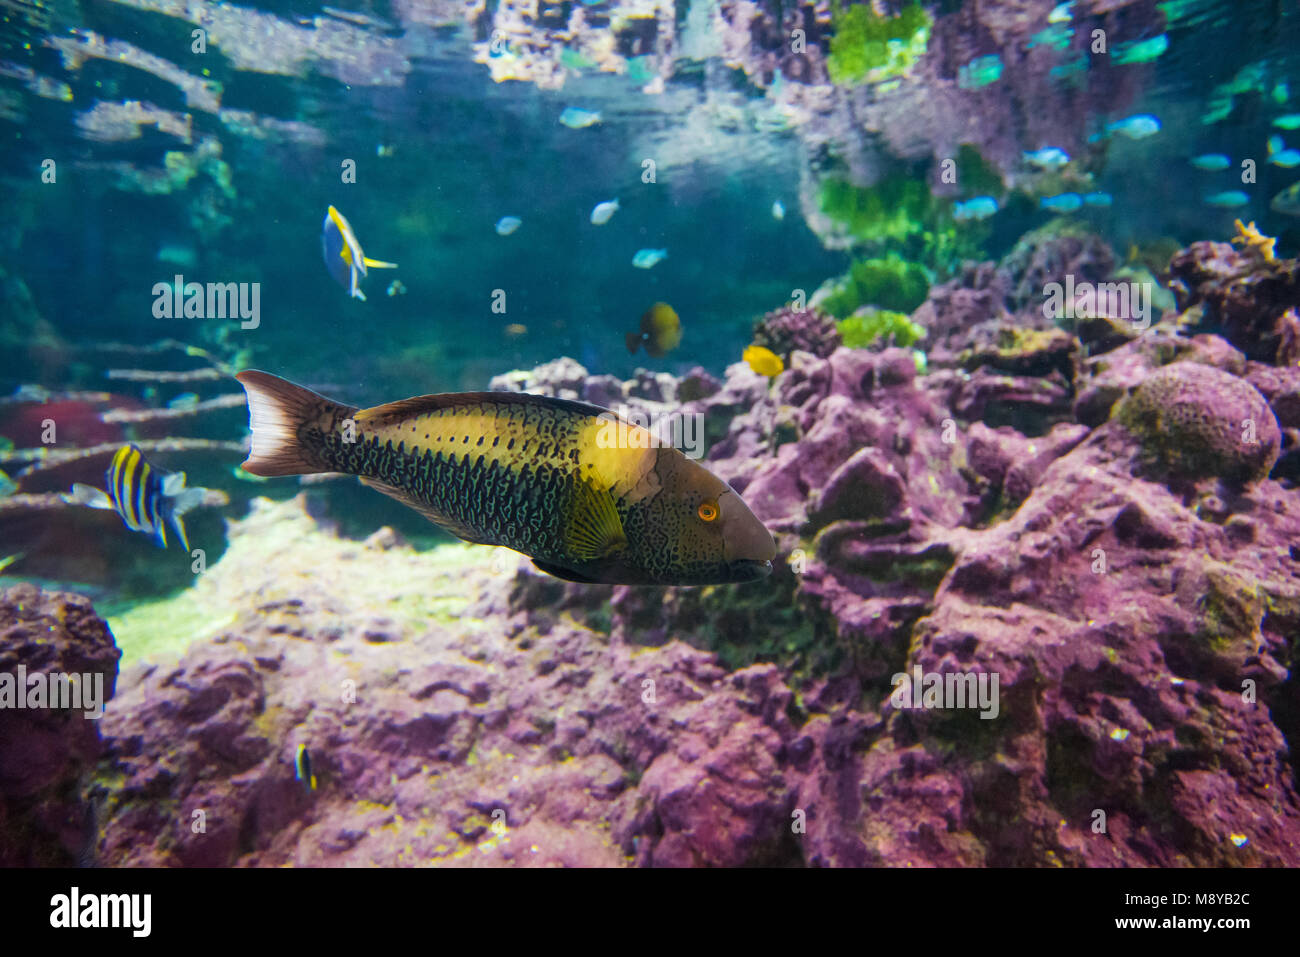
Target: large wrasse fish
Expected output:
[585,495]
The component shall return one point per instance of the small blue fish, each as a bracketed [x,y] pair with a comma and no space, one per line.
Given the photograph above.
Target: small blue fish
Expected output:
[602,212]
[1063,203]
[177,255]
[302,771]
[1227,200]
[1137,127]
[507,225]
[980,207]
[186,400]
[1098,199]
[343,256]
[1211,162]
[576,119]
[148,499]
[1289,122]
[1279,155]
[1049,157]
[778,210]
[649,258]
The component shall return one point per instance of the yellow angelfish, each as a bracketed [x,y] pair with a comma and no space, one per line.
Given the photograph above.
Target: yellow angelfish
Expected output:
[763,361]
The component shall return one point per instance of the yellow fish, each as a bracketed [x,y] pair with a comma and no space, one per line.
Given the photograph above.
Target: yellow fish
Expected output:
[343,256]
[763,361]
[660,331]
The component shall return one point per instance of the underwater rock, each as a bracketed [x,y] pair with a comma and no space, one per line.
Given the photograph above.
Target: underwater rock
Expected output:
[1050,255]
[1108,377]
[1251,302]
[1033,404]
[786,329]
[1195,422]
[1141,717]
[46,753]
[442,726]
[561,378]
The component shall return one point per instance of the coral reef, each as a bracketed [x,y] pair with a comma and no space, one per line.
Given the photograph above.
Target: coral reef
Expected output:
[46,817]
[1197,421]
[1250,301]
[786,329]
[462,709]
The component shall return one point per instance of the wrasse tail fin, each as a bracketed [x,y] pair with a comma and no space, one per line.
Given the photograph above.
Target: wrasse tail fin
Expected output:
[277,411]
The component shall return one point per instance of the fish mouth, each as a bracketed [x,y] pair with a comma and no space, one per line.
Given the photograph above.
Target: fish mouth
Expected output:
[750,569]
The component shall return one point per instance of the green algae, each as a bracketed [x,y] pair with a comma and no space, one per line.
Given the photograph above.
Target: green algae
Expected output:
[896,208]
[1230,611]
[975,174]
[868,48]
[890,283]
[870,325]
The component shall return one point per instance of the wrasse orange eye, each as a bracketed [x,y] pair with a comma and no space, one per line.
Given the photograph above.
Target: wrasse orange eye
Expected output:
[708,511]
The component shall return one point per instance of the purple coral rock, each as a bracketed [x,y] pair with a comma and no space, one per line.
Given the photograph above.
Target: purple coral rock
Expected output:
[808,330]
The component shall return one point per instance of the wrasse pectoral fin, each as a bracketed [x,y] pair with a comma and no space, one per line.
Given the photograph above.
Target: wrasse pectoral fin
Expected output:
[569,576]
[594,529]
[377,263]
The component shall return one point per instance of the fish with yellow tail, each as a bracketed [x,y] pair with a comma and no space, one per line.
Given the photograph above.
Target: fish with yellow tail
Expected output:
[587,496]
[343,256]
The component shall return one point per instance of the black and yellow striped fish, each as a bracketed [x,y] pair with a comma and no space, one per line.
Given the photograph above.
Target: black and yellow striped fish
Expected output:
[302,768]
[538,475]
[148,499]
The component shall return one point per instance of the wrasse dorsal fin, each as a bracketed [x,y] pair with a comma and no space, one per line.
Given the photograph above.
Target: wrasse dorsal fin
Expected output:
[381,415]
[594,530]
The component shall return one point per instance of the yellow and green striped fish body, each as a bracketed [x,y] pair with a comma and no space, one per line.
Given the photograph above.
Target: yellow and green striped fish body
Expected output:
[587,497]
